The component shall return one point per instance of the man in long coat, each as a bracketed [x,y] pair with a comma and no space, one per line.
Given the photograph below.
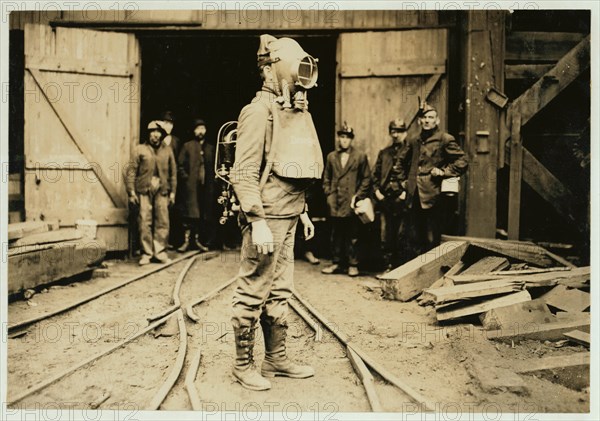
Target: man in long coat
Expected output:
[346,180]
[196,173]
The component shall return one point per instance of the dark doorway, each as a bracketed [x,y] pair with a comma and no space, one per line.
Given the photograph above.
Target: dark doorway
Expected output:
[214,75]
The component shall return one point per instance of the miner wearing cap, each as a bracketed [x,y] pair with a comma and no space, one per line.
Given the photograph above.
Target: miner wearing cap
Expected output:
[432,156]
[346,180]
[278,156]
[388,180]
[151,183]
[196,179]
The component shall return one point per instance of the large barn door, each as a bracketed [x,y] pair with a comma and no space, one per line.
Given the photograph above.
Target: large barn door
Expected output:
[81,121]
[381,76]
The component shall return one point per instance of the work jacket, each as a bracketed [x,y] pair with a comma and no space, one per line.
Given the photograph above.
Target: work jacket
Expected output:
[428,150]
[340,184]
[147,161]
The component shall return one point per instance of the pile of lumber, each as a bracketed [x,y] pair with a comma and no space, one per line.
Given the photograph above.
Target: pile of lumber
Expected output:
[40,252]
[514,289]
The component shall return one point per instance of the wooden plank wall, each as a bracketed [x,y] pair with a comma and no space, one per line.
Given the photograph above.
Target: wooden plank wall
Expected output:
[97,107]
[368,103]
[328,16]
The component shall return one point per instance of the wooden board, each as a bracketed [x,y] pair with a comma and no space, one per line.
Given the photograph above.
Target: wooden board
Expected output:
[575,276]
[516,315]
[449,313]
[566,299]
[572,371]
[493,379]
[29,270]
[49,237]
[410,279]
[21,229]
[531,46]
[579,337]
[542,332]
[486,265]
[474,290]
[520,250]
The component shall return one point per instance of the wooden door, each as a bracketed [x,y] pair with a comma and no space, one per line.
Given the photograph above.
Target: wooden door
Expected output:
[381,76]
[81,122]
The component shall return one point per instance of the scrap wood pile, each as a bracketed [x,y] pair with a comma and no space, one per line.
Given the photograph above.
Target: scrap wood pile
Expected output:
[515,289]
[40,252]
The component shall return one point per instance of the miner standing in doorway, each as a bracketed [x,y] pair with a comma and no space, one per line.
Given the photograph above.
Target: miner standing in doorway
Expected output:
[270,176]
[196,179]
[151,182]
[346,180]
[388,182]
[432,156]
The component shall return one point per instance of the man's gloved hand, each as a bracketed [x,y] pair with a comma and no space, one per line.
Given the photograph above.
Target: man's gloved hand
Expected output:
[436,172]
[309,228]
[378,195]
[262,237]
[171,199]
[134,200]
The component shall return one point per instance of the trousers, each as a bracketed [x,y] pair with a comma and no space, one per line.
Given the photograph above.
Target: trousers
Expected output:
[265,281]
[153,222]
[344,238]
[393,238]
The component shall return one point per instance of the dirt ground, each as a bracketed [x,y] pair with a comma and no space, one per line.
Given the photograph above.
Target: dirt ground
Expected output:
[438,361]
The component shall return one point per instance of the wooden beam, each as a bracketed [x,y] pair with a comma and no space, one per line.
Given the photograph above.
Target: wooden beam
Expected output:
[63,260]
[526,71]
[483,38]
[549,187]
[516,315]
[486,265]
[22,229]
[515,178]
[579,337]
[68,65]
[408,280]
[565,299]
[455,312]
[541,332]
[540,46]
[572,371]
[475,290]
[568,68]
[520,250]
[575,276]
[49,237]
[392,69]
[115,195]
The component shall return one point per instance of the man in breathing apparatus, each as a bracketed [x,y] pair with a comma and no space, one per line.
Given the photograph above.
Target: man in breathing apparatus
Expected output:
[277,157]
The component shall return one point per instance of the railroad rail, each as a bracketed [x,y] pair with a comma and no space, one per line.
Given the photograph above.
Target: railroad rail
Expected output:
[363,365]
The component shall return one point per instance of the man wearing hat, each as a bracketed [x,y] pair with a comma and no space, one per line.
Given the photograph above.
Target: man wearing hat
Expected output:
[388,178]
[432,156]
[196,175]
[151,182]
[346,180]
[277,157]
